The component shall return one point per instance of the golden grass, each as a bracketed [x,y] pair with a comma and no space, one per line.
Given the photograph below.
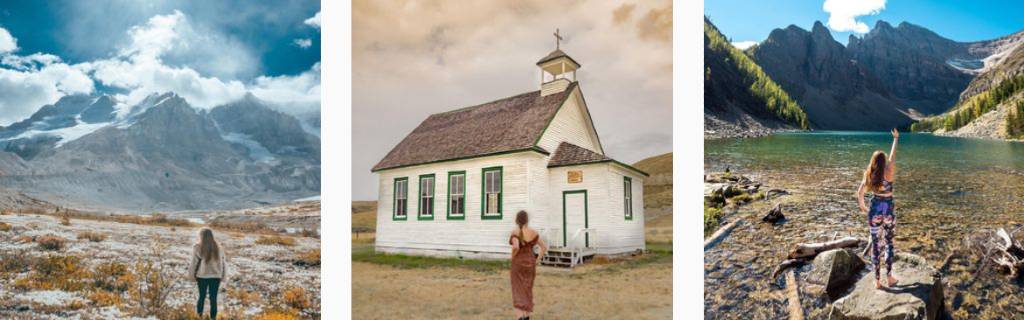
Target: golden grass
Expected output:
[296,298]
[52,243]
[641,291]
[276,315]
[276,240]
[54,273]
[4,227]
[309,258]
[92,236]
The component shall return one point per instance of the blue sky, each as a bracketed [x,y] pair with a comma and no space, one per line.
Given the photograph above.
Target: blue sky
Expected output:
[209,52]
[957,20]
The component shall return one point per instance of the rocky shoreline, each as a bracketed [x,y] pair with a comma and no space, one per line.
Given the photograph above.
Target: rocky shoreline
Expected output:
[819,208]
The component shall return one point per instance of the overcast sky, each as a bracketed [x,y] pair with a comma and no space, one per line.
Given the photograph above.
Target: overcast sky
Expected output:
[415,58]
[209,52]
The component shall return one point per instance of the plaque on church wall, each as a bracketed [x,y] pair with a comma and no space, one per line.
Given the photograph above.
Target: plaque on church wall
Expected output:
[575,176]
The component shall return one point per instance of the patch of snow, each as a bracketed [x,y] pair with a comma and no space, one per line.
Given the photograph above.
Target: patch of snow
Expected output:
[256,150]
[49,297]
[313,198]
[743,45]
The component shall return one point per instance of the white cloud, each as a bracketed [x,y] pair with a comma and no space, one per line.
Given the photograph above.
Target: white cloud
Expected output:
[140,69]
[7,42]
[22,92]
[142,66]
[29,82]
[314,21]
[294,94]
[743,45]
[303,43]
[843,13]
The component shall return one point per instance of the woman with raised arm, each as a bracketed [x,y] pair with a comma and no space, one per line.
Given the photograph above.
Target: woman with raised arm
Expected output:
[208,269]
[878,179]
[524,265]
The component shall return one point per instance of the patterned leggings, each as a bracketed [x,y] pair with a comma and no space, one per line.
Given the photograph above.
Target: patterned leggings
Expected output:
[882,225]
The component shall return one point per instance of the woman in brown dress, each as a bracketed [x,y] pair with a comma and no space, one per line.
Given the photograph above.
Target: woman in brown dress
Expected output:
[524,265]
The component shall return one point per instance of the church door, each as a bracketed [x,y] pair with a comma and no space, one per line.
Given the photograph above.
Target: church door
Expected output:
[574,218]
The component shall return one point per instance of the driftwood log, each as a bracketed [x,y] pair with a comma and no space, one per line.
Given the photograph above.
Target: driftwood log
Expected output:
[802,253]
[809,250]
[796,312]
[721,233]
[1009,254]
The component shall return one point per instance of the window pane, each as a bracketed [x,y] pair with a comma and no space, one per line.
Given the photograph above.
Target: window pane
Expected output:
[492,203]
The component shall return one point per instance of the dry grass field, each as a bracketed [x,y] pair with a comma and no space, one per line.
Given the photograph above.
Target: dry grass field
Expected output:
[424,288]
[56,268]
[404,287]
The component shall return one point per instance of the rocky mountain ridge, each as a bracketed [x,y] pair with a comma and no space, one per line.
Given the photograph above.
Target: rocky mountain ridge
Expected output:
[161,154]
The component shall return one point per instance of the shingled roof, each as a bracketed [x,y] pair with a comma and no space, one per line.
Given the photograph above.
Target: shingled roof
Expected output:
[555,55]
[510,124]
[571,154]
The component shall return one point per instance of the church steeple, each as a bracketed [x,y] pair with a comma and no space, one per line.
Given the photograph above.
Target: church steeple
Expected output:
[557,69]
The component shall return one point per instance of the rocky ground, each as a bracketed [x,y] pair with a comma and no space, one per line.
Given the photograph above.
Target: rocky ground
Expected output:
[112,270]
[933,224]
[715,128]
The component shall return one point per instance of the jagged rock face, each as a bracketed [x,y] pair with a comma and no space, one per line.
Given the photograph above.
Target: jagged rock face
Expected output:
[66,113]
[914,64]
[166,155]
[1009,65]
[727,99]
[277,132]
[835,91]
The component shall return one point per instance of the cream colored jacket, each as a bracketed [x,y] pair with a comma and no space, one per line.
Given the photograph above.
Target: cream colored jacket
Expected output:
[208,269]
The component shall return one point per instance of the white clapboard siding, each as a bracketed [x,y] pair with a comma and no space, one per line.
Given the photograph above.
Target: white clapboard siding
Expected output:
[571,124]
[471,237]
[625,235]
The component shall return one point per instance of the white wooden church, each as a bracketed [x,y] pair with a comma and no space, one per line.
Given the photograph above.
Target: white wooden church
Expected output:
[453,186]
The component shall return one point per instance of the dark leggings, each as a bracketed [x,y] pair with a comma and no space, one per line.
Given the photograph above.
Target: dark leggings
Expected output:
[208,286]
[881,219]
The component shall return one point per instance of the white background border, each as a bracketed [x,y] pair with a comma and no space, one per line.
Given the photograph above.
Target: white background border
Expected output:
[688,159]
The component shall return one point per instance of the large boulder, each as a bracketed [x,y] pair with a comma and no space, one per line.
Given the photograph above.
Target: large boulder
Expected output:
[836,270]
[918,295]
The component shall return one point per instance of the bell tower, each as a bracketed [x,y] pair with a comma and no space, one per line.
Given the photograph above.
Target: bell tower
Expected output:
[557,69]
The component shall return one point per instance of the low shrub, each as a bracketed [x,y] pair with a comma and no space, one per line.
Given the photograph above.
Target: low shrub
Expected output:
[14,262]
[55,273]
[276,315]
[296,298]
[309,258]
[92,236]
[52,243]
[65,220]
[112,276]
[102,298]
[150,292]
[243,297]
[276,240]
[4,227]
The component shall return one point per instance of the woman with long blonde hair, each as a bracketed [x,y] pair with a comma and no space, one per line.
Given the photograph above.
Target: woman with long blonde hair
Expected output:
[208,269]
[878,179]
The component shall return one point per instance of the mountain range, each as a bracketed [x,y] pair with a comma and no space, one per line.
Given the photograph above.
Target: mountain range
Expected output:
[889,77]
[93,152]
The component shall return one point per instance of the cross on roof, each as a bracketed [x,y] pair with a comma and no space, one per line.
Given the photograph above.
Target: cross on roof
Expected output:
[558,39]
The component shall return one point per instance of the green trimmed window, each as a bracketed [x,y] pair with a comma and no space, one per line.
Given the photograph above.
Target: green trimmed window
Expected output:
[492,193]
[456,195]
[426,200]
[627,197]
[400,209]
